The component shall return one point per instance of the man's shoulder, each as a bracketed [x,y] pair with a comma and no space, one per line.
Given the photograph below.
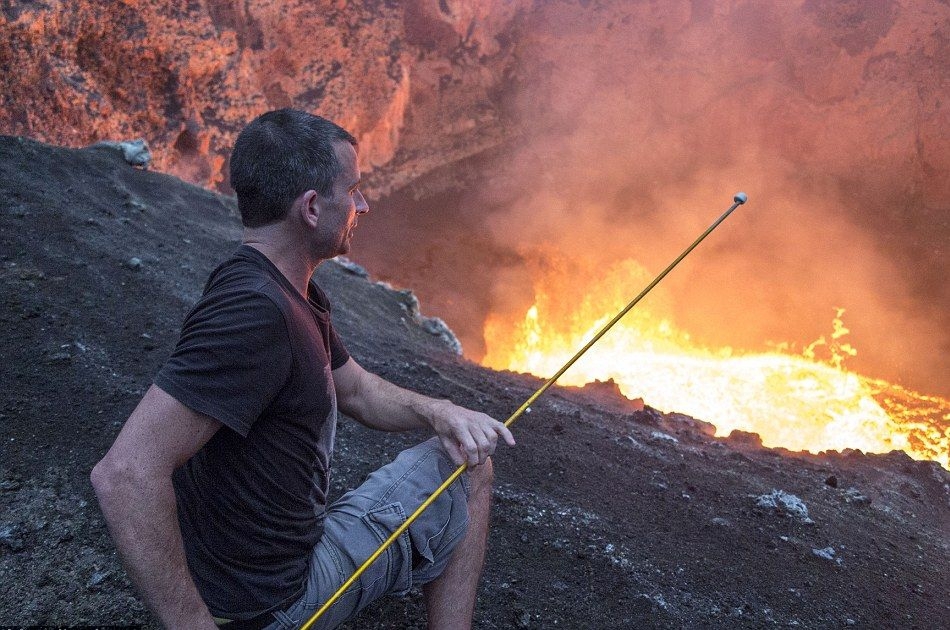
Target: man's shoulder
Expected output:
[246,275]
[239,294]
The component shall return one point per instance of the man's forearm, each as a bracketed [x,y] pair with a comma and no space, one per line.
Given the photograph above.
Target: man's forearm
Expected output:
[467,436]
[388,407]
[142,518]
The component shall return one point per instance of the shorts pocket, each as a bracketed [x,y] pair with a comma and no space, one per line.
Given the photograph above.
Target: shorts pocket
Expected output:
[395,574]
[427,535]
[436,533]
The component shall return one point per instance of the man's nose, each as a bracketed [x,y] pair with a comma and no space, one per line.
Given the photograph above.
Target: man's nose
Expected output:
[361,206]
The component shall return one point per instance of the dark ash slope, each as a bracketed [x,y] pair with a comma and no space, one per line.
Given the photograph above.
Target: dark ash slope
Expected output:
[604,517]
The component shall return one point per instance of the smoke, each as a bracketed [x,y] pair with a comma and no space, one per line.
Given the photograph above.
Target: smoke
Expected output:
[637,122]
[642,123]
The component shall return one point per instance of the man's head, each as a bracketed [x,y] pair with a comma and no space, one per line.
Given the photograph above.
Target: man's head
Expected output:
[279,156]
[329,220]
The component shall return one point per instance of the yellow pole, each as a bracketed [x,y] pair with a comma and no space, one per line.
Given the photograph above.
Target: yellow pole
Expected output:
[739,199]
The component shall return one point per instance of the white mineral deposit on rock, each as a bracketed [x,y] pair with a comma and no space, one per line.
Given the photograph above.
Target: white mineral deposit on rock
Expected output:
[828,553]
[135,152]
[784,503]
[436,326]
[352,267]
[659,435]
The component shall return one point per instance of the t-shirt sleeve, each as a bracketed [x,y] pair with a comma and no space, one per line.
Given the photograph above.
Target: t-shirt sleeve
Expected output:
[338,352]
[232,359]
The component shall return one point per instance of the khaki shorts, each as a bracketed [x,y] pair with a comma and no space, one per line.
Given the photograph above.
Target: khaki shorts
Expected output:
[362,519]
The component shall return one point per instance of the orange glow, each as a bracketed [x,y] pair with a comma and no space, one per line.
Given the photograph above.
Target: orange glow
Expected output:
[808,401]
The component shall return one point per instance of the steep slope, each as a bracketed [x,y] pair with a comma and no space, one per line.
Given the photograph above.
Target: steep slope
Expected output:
[605,517]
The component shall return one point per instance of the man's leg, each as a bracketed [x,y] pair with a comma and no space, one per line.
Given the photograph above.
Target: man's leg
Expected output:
[450,598]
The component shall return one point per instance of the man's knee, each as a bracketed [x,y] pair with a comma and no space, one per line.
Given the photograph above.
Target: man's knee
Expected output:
[482,476]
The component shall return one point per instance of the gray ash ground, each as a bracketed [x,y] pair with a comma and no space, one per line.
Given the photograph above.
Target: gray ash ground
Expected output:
[604,516]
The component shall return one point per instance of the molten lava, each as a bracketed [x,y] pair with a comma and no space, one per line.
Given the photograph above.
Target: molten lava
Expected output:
[801,402]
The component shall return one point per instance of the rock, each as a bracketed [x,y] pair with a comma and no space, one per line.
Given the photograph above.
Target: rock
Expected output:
[134,263]
[827,553]
[677,422]
[10,539]
[649,416]
[352,267]
[435,326]
[610,388]
[637,404]
[522,619]
[135,204]
[854,496]
[135,152]
[659,435]
[148,343]
[97,578]
[784,504]
[745,438]
[832,481]
[10,484]
[406,298]
[60,357]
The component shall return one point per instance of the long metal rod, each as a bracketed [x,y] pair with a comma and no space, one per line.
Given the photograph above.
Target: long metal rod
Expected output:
[739,199]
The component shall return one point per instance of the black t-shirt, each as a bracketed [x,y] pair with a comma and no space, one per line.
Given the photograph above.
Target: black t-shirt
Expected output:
[257,356]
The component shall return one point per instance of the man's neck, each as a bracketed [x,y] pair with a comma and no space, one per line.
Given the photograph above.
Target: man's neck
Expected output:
[288,258]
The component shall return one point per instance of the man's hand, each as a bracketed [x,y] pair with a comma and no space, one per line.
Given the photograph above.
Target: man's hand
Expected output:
[469,437]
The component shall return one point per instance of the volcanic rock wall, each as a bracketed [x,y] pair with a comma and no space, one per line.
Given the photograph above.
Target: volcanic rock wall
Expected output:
[187,76]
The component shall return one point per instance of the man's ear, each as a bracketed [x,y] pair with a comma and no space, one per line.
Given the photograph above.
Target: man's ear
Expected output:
[307,207]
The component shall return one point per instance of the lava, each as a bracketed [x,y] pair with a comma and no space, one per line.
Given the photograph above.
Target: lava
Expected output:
[808,402]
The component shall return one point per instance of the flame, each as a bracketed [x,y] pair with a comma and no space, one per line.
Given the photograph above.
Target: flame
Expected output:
[807,402]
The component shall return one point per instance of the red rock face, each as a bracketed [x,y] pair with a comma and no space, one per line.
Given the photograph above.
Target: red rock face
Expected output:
[186,77]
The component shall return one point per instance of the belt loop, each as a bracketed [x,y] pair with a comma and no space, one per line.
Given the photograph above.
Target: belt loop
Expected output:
[285,620]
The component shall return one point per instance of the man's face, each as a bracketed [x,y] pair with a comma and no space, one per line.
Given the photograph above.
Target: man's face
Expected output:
[340,210]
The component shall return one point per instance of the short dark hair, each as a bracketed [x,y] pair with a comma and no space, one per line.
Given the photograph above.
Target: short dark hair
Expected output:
[278,156]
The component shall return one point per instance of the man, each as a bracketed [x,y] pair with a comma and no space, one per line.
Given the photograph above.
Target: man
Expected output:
[215,489]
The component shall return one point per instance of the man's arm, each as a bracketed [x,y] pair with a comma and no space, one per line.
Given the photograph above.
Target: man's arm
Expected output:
[134,488]
[468,436]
